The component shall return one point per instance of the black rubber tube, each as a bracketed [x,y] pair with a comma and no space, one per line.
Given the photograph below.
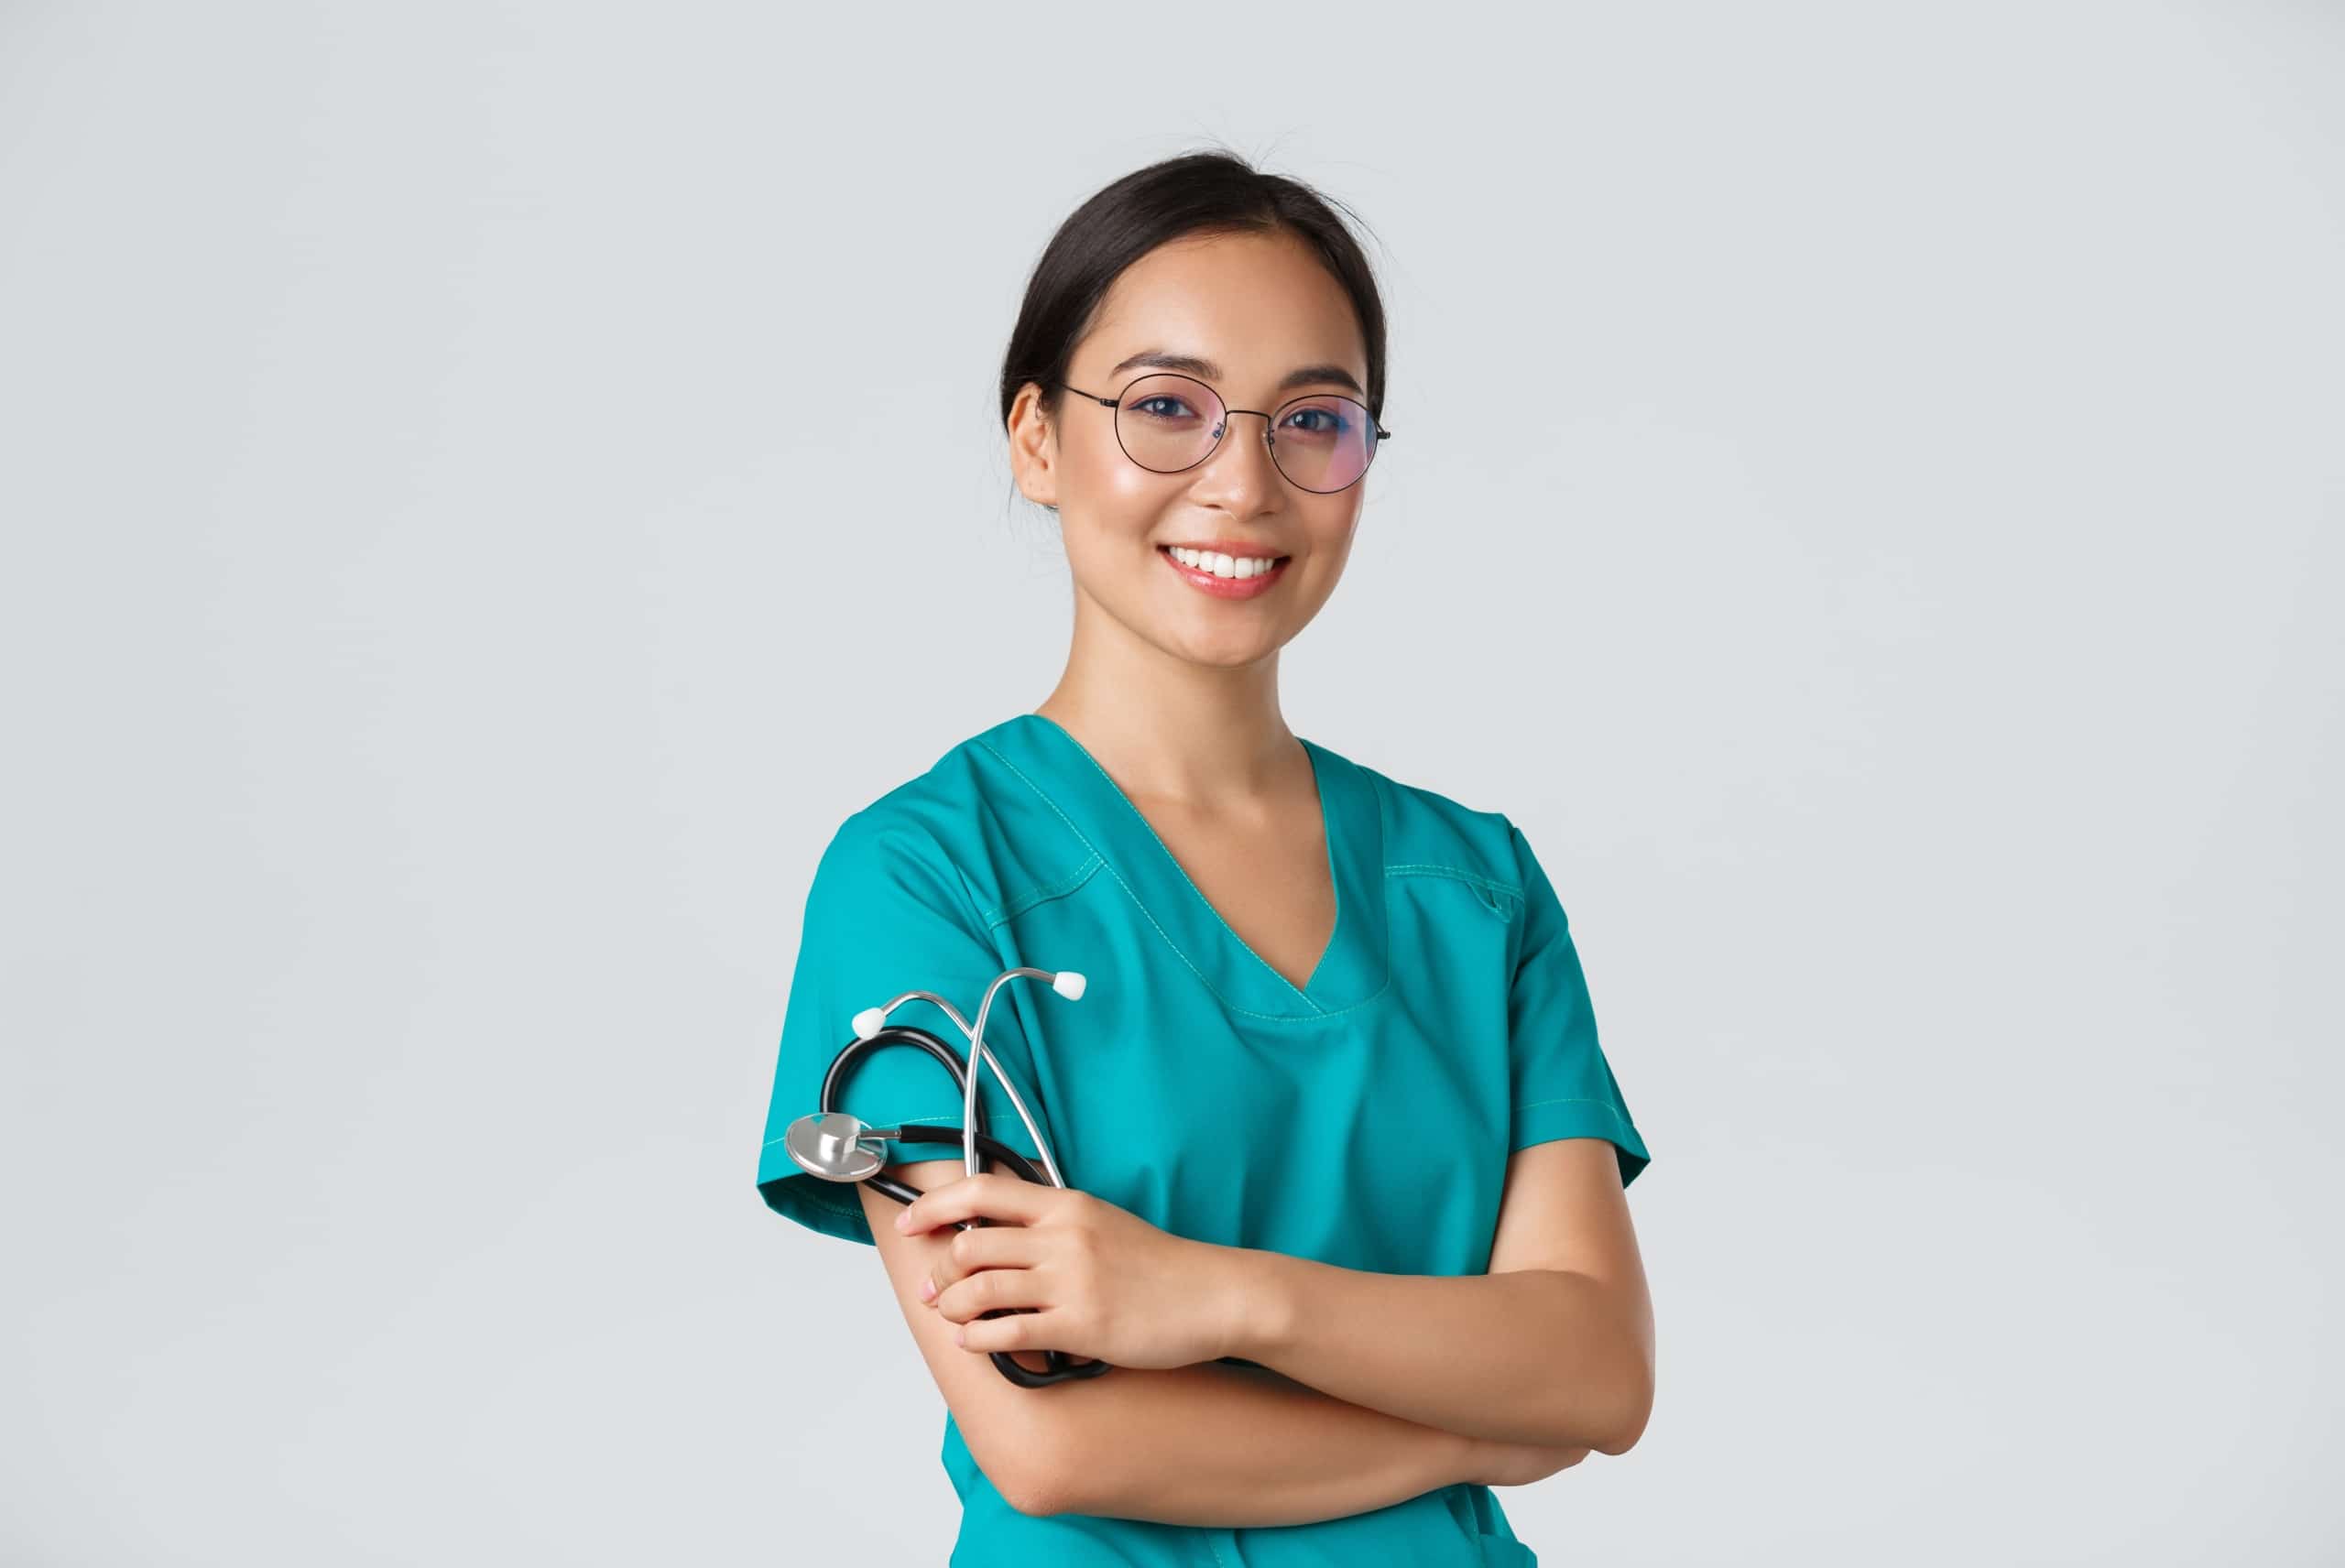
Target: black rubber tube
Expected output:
[1061,1368]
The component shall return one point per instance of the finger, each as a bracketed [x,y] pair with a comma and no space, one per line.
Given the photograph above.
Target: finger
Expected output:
[986,1247]
[990,1194]
[991,1289]
[987,1196]
[1012,1331]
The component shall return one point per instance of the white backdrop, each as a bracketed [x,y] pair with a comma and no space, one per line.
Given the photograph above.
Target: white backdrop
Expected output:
[487,488]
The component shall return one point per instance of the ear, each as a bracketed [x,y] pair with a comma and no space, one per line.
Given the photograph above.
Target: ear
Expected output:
[1033,448]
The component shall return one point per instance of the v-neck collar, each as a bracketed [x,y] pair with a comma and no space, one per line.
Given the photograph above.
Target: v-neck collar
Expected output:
[1059,768]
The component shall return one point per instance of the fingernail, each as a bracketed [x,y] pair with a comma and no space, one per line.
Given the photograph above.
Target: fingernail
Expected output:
[904,1220]
[928,1290]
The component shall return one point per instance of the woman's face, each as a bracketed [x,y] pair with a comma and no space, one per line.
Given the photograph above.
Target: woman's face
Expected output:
[1255,308]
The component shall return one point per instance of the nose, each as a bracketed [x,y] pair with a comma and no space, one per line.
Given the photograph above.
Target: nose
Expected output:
[1222,429]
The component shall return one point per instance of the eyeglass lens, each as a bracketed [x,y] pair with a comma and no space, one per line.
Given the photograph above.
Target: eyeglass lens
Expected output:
[1323,441]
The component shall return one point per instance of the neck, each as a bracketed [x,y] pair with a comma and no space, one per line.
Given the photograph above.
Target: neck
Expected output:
[1185,734]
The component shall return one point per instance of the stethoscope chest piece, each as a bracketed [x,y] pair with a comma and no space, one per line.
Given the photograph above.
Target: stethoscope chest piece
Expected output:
[830,1143]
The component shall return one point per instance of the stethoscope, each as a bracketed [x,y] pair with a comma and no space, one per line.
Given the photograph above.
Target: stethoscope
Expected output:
[837,1147]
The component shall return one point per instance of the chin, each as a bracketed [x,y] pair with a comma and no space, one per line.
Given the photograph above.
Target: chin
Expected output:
[1216,653]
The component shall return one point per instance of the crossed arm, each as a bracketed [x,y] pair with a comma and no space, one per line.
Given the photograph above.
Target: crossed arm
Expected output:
[1375,1387]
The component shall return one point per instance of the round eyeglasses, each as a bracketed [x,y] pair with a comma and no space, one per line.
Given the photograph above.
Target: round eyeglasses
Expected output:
[1323,441]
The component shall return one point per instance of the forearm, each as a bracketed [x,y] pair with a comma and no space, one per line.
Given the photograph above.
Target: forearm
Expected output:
[1230,1446]
[1531,1356]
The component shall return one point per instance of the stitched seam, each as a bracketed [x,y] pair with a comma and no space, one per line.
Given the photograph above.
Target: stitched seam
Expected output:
[1150,914]
[951,1120]
[1534,1105]
[1612,1117]
[960,883]
[1319,783]
[1317,1017]
[1042,893]
[813,1190]
[816,1190]
[1425,869]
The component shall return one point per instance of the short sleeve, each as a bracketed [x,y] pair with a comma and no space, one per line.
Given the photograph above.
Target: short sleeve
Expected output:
[887,913]
[1561,1085]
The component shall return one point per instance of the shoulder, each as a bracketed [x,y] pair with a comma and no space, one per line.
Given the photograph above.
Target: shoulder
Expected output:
[1427,832]
[967,822]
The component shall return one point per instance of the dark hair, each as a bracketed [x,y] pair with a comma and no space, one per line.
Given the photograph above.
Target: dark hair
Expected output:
[1197,193]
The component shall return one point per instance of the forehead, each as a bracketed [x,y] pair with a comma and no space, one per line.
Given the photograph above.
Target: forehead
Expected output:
[1254,305]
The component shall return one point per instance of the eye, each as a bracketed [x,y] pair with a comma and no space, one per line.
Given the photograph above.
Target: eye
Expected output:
[1331,423]
[1148,406]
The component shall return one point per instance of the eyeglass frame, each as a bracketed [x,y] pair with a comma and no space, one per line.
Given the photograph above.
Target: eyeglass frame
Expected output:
[1269,425]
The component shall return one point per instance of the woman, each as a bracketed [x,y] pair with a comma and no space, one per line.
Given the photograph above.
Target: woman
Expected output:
[1344,1210]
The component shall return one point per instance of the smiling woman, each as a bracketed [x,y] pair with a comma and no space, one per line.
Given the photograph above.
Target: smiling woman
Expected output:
[1347,1163]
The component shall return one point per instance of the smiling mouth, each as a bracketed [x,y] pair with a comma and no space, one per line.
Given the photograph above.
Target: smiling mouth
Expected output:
[1241,566]
[1220,576]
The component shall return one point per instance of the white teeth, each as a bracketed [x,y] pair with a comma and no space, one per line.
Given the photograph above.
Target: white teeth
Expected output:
[1222,565]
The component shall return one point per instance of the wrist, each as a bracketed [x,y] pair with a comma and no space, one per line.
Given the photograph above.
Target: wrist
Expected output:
[1257,1301]
[1467,1460]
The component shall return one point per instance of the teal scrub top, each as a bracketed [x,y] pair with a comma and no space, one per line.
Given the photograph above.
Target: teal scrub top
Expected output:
[1364,1120]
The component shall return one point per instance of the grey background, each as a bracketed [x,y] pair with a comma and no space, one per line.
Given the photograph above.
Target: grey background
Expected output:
[1868,505]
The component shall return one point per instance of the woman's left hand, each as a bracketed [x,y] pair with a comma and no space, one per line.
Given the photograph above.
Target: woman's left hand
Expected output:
[1104,1283]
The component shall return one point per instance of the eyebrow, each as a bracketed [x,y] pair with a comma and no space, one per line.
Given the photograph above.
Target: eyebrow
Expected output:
[1189,365]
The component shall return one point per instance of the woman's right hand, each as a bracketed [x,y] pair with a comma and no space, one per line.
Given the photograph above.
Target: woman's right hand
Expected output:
[1495,1463]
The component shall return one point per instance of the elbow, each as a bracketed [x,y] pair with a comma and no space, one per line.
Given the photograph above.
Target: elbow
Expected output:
[1037,1480]
[1629,1409]
[1031,1497]
[1036,1491]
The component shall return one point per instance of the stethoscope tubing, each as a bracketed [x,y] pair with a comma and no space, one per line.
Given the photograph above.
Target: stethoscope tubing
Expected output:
[976,1140]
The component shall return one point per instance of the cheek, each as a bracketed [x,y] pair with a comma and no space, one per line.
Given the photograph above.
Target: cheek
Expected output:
[1108,517]
[1330,533]
[1112,495]
[1129,496]
[1097,470]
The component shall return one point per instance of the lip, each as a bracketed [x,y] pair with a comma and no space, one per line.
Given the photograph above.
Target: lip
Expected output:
[1224,587]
